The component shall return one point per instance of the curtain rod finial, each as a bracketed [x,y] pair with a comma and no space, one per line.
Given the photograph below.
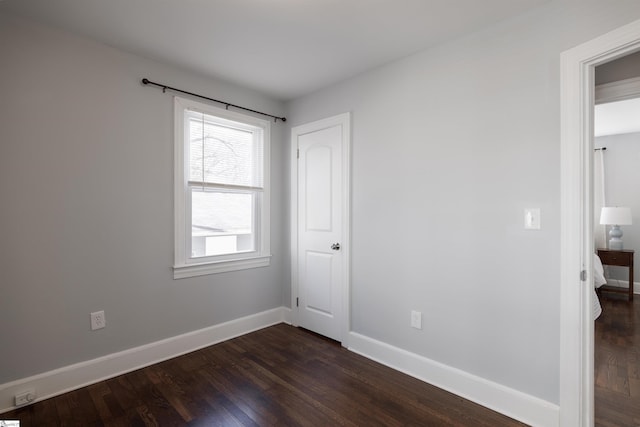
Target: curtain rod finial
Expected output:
[145,81]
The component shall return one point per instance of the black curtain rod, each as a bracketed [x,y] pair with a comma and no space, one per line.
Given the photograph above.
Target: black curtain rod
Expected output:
[600,149]
[226,104]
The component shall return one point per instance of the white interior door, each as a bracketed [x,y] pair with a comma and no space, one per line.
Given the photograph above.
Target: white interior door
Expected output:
[321,253]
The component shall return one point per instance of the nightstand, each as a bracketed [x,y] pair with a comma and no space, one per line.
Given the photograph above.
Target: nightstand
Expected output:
[622,258]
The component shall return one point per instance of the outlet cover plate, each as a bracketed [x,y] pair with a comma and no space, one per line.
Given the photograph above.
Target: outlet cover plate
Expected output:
[98,321]
[25,397]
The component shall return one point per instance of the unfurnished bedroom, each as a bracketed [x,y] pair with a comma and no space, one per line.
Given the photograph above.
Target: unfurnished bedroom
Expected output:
[317,212]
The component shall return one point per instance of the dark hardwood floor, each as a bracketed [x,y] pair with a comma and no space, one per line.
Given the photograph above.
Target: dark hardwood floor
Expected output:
[617,362]
[277,376]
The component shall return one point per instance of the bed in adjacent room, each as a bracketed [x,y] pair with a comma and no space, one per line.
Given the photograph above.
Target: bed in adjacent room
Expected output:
[598,280]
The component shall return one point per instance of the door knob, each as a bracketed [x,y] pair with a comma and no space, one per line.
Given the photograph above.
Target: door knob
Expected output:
[335,246]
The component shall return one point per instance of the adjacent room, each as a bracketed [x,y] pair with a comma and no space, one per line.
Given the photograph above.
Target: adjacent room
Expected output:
[616,156]
[301,212]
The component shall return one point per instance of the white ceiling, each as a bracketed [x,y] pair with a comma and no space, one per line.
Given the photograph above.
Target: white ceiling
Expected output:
[619,117]
[284,48]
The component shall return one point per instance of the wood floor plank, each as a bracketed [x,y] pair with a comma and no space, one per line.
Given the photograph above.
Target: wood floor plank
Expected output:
[45,414]
[154,408]
[240,398]
[311,392]
[634,389]
[105,403]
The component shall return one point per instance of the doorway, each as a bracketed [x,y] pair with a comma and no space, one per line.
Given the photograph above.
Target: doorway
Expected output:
[320,180]
[617,152]
[577,326]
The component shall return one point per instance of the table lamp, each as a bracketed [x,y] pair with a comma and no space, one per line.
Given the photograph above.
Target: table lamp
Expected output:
[615,217]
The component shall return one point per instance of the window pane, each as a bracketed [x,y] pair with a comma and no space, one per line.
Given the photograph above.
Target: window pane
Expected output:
[229,155]
[221,223]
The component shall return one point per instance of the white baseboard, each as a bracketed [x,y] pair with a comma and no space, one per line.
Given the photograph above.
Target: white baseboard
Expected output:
[62,380]
[512,403]
[621,283]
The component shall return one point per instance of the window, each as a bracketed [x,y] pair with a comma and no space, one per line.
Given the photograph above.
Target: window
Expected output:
[221,190]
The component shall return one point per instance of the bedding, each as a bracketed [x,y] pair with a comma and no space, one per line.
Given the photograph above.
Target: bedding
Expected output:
[598,272]
[598,280]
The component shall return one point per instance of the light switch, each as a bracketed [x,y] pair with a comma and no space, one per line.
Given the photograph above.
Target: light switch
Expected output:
[532,219]
[416,319]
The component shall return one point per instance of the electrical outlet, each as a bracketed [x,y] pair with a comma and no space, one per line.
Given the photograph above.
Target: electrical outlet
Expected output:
[98,321]
[25,398]
[416,319]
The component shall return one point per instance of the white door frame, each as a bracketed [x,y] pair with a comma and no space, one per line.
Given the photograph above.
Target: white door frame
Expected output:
[576,246]
[343,120]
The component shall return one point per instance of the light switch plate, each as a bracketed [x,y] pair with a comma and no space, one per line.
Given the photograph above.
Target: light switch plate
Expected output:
[416,319]
[532,219]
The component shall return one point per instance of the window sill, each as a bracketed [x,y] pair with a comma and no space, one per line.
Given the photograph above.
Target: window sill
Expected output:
[193,270]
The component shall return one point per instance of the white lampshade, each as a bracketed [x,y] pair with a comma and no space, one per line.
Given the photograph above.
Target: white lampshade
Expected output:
[615,216]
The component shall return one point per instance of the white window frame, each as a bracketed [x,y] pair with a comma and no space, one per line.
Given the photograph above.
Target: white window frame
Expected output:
[184,265]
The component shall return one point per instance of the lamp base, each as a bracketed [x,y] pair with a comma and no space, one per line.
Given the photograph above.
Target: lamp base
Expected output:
[615,243]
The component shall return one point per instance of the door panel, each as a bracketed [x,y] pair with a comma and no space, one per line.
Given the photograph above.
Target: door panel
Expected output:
[317,175]
[318,274]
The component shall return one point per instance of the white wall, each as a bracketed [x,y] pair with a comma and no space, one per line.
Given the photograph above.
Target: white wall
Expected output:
[449,146]
[622,175]
[86,204]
